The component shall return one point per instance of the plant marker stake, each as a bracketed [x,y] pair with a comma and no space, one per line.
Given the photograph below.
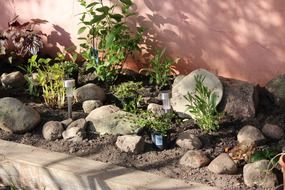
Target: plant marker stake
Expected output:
[165,101]
[69,85]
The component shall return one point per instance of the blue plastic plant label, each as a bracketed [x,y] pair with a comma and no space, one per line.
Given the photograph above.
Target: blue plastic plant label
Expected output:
[158,140]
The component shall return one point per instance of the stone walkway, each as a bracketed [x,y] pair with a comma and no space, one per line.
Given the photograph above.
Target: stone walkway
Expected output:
[41,169]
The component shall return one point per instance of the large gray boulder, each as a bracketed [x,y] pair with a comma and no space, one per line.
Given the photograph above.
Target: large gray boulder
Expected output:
[240,99]
[188,84]
[111,120]
[16,117]
[277,88]
[89,92]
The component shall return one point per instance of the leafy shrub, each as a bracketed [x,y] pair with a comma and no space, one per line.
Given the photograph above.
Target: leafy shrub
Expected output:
[109,40]
[21,39]
[161,124]
[128,93]
[50,78]
[160,69]
[265,154]
[202,106]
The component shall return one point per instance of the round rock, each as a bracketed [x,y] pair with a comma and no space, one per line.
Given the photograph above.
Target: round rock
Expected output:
[14,79]
[89,92]
[188,84]
[52,130]
[16,117]
[130,143]
[188,141]
[223,164]
[194,159]
[156,109]
[257,173]
[273,131]
[90,105]
[250,134]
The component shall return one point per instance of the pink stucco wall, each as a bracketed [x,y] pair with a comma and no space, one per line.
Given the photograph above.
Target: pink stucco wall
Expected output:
[239,38]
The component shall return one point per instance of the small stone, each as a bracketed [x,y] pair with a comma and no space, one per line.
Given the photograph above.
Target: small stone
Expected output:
[156,109]
[223,164]
[188,141]
[130,143]
[14,79]
[52,130]
[250,134]
[76,131]
[273,131]
[72,150]
[257,173]
[194,159]
[66,122]
[90,105]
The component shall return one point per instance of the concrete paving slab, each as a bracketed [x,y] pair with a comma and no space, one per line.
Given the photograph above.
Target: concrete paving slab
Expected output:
[38,169]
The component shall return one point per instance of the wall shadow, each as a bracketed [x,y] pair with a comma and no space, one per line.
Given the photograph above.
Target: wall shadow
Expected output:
[240,39]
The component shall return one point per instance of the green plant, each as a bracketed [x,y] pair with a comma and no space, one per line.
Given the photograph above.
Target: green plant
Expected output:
[267,154]
[30,69]
[128,93]
[70,67]
[161,124]
[160,69]
[21,39]
[109,40]
[202,106]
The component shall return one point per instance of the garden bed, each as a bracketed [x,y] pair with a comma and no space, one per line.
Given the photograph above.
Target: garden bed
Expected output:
[165,162]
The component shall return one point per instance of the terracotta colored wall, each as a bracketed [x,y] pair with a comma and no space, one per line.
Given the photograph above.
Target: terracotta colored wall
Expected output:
[240,39]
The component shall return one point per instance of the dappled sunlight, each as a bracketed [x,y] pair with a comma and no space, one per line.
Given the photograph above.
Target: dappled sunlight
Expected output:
[224,36]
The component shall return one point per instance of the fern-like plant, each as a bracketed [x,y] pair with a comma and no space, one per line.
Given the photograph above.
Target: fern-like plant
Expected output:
[202,106]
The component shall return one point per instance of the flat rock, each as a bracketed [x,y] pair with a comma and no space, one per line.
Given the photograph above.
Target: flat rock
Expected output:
[102,111]
[15,79]
[223,164]
[239,100]
[250,134]
[52,130]
[89,92]
[119,122]
[76,131]
[90,105]
[188,84]
[194,159]
[130,143]
[257,173]
[188,141]
[273,131]
[16,117]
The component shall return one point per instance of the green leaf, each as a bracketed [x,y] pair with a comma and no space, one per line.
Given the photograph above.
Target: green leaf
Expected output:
[117,17]
[97,18]
[109,39]
[81,30]
[103,9]
[92,4]
[127,2]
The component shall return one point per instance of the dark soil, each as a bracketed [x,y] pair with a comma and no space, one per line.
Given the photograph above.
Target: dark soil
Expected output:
[165,162]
